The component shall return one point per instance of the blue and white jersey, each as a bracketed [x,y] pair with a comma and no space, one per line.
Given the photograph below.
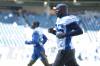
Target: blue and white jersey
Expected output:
[65,43]
[38,38]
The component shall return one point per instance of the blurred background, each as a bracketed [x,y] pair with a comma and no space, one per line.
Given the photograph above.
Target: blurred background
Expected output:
[16,17]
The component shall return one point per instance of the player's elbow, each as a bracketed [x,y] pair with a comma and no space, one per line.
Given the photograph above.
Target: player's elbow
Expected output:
[80,31]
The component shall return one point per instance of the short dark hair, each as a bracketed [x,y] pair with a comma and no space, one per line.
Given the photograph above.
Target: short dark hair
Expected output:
[36,23]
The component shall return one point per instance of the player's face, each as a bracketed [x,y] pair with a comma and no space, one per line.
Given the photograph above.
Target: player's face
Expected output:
[33,26]
[58,12]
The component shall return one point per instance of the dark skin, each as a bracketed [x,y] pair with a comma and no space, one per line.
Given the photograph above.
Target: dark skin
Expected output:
[61,11]
[76,30]
[35,24]
[45,61]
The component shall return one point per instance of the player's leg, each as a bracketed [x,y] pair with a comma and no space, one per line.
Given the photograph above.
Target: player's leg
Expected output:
[34,58]
[70,58]
[31,62]
[44,59]
[59,61]
[71,62]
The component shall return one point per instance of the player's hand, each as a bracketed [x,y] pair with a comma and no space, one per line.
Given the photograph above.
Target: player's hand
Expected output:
[50,30]
[26,42]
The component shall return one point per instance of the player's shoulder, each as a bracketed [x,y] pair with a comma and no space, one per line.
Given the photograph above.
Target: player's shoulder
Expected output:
[39,30]
[70,18]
